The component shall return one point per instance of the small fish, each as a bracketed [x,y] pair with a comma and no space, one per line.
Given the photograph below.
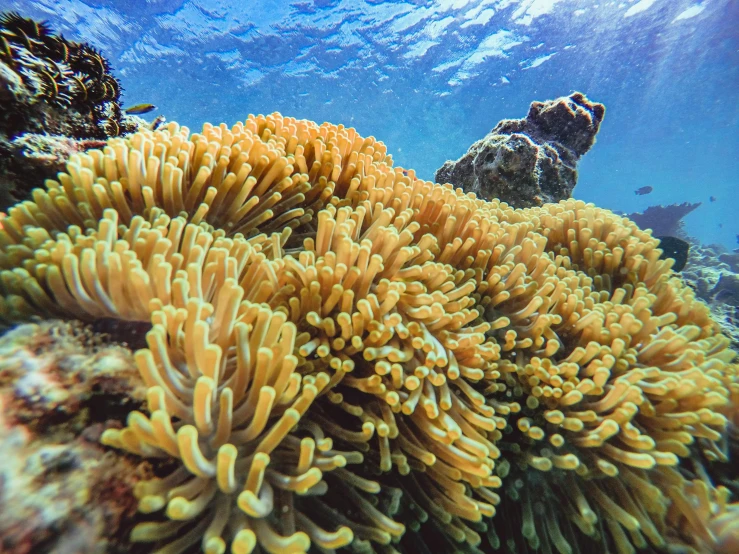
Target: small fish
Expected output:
[643,190]
[712,198]
[675,248]
[158,121]
[139,109]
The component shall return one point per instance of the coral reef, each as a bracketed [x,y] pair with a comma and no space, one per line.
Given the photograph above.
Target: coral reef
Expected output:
[50,86]
[342,355]
[714,275]
[663,220]
[60,491]
[528,162]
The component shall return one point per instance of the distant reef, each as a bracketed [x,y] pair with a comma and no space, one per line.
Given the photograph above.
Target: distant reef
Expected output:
[58,97]
[664,220]
[531,161]
[713,273]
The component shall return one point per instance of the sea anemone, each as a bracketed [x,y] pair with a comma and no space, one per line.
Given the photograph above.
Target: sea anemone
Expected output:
[341,352]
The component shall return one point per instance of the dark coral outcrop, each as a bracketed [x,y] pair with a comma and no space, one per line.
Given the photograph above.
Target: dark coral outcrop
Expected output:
[528,162]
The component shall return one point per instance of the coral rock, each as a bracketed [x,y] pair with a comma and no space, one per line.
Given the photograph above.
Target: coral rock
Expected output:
[60,490]
[527,162]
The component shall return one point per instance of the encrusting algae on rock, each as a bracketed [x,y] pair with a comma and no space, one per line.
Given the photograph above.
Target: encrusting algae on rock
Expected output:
[60,489]
[342,355]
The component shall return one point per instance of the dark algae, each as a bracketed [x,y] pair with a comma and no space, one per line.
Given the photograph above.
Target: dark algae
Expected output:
[58,97]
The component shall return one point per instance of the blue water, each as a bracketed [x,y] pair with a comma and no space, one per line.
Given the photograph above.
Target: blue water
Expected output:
[431,77]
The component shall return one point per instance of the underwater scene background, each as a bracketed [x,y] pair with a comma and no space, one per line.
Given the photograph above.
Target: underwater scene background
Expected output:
[431,77]
[369,276]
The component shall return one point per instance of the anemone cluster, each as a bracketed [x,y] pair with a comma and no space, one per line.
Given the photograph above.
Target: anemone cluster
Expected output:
[344,356]
[59,73]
